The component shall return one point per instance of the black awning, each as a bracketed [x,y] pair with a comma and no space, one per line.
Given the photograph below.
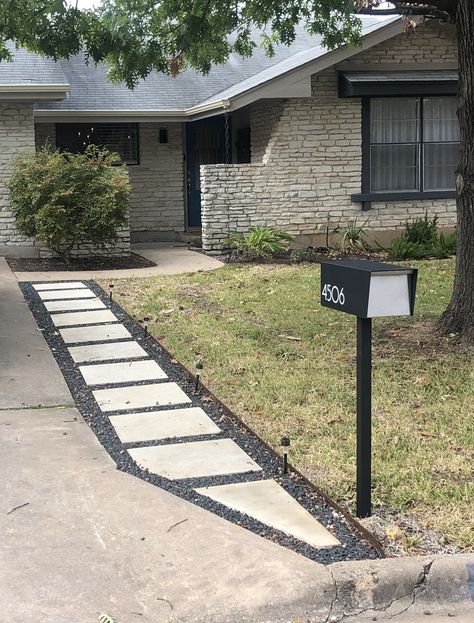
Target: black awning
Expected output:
[393,83]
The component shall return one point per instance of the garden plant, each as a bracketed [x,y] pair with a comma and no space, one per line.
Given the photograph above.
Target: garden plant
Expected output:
[63,199]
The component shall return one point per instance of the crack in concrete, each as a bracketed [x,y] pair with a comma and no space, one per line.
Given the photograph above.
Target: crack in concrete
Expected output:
[334,599]
[420,586]
[37,407]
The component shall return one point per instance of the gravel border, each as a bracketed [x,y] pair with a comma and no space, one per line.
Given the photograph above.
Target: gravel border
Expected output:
[353,544]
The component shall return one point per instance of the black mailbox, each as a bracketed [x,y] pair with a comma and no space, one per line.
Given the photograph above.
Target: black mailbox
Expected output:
[368,289]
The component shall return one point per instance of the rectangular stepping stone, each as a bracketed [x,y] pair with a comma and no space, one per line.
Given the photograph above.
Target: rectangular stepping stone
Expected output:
[104,352]
[74,304]
[53,295]
[140,396]
[195,459]
[58,285]
[269,503]
[134,427]
[84,317]
[125,372]
[100,333]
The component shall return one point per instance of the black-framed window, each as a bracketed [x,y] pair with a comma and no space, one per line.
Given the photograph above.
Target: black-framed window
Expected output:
[410,148]
[120,138]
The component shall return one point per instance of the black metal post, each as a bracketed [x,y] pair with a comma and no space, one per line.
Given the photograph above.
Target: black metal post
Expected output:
[364,416]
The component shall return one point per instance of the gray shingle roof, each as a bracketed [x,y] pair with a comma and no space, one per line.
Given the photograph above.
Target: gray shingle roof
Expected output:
[28,68]
[91,90]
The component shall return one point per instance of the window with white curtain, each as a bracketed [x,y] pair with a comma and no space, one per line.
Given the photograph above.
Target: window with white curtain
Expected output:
[414,144]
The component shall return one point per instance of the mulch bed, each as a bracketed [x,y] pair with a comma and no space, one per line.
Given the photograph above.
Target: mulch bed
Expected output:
[48,264]
[311,255]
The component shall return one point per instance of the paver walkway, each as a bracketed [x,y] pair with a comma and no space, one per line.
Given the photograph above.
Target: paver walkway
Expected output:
[185,453]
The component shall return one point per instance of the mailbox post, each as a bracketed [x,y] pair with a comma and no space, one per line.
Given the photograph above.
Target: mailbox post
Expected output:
[367,290]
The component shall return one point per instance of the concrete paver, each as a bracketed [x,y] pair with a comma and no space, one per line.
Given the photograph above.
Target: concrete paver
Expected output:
[29,374]
[101,333]
[61,285]
[195,459]
[104,352]
[74,304]
[167,424]
[83,318]
[269,503]
[53,295]
[124,372]
[140,396]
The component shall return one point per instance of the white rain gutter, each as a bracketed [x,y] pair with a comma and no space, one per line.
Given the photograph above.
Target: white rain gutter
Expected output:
[142,115]
[33,91]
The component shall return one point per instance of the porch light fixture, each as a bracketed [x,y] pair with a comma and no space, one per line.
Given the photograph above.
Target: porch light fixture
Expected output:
[285,448]
[198,371]
[163,136]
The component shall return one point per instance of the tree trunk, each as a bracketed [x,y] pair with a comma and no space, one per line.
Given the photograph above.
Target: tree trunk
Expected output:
[459,315]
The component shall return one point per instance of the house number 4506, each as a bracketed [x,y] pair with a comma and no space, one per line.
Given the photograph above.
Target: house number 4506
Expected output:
[333,294]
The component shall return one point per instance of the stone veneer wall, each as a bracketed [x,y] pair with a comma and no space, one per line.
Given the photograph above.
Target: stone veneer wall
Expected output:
[306,158]
[157,200]
[16,137]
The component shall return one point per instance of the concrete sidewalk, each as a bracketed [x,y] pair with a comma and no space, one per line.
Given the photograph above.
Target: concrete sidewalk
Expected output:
[29,375]
[170,259]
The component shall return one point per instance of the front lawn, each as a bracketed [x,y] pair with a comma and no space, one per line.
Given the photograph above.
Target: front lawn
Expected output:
[287,366]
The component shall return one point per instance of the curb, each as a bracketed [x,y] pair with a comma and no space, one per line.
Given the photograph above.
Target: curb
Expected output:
[390,587]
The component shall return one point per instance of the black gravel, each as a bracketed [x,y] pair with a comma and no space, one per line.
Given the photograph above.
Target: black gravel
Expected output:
[353,544]
[47,264]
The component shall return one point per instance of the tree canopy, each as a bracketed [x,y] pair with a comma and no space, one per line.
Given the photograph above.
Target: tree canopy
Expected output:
[136,37]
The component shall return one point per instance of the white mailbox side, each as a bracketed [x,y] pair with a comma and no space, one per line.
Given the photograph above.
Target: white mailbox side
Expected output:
[389,294]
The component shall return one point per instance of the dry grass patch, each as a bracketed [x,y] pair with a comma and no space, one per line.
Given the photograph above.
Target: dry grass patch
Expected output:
[286,366]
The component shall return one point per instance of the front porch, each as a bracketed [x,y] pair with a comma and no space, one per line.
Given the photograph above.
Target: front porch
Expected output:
[164,163]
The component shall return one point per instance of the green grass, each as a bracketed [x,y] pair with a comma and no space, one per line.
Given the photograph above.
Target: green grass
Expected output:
[242,321]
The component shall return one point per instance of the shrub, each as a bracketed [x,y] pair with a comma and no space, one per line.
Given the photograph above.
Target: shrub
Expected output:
[261,242]
[353,237]
[402,248]
[448,242]
[422,230]
[61,198]
[421,239]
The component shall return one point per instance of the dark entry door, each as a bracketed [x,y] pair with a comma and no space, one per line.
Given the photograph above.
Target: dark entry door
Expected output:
[205,144]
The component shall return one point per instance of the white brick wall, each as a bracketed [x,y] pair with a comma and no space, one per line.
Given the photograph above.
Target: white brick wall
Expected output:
[306,158]
[157,200]
[16,136]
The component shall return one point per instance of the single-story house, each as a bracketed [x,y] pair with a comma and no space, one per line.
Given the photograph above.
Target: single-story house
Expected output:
[305,140]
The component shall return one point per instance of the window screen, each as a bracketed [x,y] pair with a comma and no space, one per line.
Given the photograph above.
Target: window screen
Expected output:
[120,138]
[414,144]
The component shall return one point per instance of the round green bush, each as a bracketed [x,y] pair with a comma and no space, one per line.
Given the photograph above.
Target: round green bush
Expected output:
[62,199]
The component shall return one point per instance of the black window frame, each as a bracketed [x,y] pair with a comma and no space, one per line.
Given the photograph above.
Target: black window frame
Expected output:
[87,126]
[366,197]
